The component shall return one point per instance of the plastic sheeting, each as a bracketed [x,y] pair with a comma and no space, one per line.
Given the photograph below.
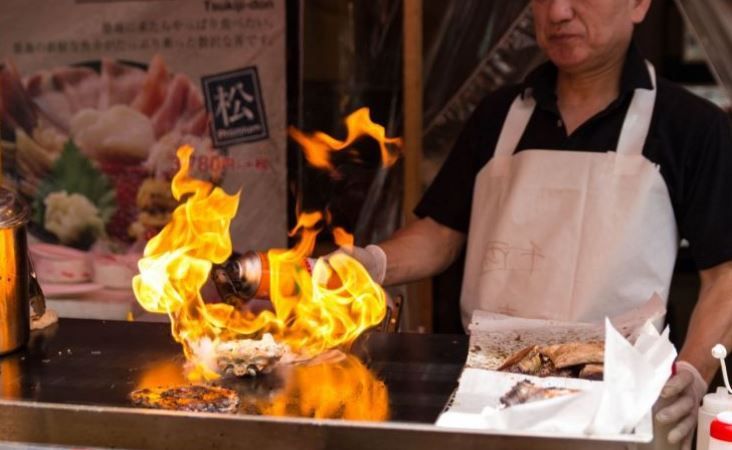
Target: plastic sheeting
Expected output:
[711,22]
[485,45]
[352,57]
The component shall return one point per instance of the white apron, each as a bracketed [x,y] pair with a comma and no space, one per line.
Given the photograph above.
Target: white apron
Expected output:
[569,235]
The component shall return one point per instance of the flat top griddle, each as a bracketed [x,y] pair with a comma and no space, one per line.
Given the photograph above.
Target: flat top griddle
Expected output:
[91,362]
[69,388]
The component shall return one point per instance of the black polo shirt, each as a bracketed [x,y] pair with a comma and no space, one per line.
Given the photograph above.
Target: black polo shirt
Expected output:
[689,139]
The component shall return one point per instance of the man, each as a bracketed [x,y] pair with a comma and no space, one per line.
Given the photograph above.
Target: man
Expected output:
[573,189]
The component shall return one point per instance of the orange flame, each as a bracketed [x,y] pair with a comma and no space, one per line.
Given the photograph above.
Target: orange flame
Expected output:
[336,388]
[161,373]
[176,262]
[342,238]
[319,146]
[345,389]
[313,312]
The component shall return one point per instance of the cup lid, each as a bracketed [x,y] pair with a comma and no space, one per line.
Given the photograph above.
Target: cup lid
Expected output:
[721,427]
[13,210]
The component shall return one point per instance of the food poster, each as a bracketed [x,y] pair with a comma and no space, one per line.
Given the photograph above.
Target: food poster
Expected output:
[96,96]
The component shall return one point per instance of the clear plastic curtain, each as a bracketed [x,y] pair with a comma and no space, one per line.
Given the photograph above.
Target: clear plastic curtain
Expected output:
[352,57]
[471,48]
[476,46]
[352,52]
[711,22]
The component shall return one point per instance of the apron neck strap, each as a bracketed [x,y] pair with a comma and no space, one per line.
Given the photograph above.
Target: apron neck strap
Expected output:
[638,119]
[513,127]
[632,135]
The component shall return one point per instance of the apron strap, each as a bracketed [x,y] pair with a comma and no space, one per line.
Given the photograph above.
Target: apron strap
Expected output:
[638,119]
[513,127]
[632,135]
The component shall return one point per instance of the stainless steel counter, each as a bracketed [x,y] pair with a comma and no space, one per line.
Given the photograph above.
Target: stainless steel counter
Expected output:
[70,388]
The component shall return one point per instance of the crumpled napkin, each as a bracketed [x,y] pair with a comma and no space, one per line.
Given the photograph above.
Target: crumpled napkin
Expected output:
[633,379]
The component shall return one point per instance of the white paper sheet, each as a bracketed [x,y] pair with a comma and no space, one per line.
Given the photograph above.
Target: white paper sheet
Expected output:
[616,408]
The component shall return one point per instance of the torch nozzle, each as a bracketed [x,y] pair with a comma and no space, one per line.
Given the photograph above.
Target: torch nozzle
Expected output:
[241,278]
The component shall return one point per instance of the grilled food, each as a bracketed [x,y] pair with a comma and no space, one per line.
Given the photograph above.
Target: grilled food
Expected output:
[194,398]
[525,392]
[572,359]
[592,372]
[575,353]
[248,356]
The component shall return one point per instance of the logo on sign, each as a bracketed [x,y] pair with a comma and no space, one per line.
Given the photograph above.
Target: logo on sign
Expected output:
[234,100]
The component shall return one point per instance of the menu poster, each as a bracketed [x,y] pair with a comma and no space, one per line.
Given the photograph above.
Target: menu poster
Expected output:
[96,96]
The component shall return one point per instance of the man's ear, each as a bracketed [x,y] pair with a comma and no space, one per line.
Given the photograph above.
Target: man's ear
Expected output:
[639,11]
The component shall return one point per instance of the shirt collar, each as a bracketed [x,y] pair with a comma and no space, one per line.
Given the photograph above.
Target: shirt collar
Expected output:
[541,82]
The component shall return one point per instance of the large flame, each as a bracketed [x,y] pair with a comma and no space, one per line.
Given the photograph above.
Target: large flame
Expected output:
[177,261]
[319,147]
[330,307]
[313,312]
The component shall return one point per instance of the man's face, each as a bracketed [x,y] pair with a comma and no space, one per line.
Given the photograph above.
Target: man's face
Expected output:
[581,34]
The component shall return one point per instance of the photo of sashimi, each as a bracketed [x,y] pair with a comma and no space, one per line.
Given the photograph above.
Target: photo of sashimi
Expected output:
[127,119]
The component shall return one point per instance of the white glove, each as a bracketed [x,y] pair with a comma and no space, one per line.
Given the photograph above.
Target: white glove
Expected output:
[682,393]
[372,258]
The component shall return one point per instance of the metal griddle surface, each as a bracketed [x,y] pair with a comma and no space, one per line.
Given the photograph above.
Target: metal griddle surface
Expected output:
[69,388]
[91,362]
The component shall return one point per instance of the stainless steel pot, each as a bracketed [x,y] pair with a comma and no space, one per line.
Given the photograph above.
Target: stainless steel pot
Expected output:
[18,285]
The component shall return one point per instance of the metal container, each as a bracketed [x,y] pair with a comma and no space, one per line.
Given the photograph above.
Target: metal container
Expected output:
[18,283]
[242,278]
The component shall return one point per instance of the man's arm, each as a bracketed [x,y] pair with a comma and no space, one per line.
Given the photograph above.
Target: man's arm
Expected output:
[711,321]
[419,250]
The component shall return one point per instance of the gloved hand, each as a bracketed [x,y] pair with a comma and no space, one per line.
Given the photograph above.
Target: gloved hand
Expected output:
[372,258]
[681,396]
